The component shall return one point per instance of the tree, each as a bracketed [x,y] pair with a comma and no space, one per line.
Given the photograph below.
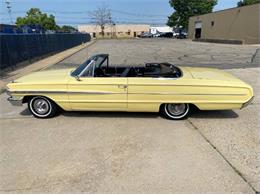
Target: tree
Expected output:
[184,9]
[67,28]
[35,17]
[247,2]
[101,17]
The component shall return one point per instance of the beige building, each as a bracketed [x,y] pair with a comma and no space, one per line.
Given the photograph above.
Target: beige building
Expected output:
[115,31]
[236,25]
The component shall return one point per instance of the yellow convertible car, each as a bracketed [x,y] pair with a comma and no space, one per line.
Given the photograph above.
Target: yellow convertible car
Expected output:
[154,87]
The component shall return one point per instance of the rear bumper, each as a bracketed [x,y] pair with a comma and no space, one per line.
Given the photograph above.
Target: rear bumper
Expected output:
[15,101]
[247,103]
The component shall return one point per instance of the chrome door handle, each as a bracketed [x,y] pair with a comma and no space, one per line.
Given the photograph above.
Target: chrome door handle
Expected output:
[122,86]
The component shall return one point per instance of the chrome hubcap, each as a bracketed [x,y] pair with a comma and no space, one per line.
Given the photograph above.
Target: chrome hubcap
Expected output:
[176,109]
[41,106]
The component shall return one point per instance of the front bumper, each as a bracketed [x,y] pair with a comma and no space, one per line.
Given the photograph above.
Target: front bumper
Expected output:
[15,101]
[247,103]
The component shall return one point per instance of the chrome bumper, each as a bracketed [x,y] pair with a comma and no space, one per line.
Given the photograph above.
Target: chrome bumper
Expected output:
[15,101]
[247,103]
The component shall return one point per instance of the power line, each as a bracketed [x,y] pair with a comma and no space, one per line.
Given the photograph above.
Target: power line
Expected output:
[87,12]
[117,22]
[130,18]
[136,14]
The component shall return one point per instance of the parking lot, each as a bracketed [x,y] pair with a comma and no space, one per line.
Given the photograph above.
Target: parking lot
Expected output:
[210,152]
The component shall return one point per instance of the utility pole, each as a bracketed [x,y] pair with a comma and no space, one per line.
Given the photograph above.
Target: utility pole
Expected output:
[8,6]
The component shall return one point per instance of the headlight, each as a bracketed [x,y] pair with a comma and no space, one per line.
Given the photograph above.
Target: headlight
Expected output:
[8,92]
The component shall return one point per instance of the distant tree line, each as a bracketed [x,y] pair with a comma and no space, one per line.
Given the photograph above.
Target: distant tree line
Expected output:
[35,17]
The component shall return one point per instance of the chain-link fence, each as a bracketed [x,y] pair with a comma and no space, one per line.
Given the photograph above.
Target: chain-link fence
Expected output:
[18,48]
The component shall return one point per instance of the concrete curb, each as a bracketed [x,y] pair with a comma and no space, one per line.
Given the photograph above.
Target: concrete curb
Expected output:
[42,64]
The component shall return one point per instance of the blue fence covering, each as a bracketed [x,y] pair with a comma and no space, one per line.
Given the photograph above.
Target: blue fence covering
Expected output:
[16,48]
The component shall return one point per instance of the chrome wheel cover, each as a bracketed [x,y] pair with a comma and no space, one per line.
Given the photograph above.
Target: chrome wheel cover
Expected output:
[41,106]
[176,109]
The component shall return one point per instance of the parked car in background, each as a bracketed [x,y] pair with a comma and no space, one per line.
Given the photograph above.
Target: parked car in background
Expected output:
[166,35]
[182,35]
[145,35]
[157,34]
[154,87]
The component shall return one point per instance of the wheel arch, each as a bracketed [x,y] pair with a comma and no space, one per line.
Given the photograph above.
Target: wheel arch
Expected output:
[192,106]
[27,98]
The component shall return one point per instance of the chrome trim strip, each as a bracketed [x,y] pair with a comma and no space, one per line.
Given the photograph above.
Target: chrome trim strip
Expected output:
[63,92]
[177,85]
[107,93]
[139,84]
[166,93]
[158,84]
[146,102]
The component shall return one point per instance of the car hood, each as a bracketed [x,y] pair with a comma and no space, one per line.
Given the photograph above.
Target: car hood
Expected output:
[53,76]
[211,74]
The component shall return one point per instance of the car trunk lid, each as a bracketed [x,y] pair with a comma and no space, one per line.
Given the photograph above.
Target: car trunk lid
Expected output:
[211,74]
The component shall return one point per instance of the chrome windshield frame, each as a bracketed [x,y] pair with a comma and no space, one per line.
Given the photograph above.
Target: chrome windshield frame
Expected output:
[84,70]
[92,59]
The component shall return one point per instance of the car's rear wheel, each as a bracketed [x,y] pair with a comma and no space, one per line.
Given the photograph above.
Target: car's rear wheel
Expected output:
[176,111]
[42,107]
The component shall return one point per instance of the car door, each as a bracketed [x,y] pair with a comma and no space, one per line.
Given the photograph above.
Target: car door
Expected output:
[148,94]
[98,94]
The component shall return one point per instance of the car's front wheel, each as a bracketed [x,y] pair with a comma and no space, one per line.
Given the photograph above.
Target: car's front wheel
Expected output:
[176,111]
[42,107]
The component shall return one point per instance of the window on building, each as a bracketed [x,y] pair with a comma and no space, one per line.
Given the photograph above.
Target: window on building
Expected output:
[212,23]
[108,34]
[128,33]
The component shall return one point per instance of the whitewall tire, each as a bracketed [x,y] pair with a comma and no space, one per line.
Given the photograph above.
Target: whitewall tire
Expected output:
[42,107]
[176,111]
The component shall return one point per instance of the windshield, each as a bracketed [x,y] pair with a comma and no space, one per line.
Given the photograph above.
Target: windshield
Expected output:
[89,70]
[88,67]
[78,70]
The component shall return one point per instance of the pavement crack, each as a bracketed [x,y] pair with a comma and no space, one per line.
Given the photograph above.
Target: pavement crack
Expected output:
[14,190]
[222,155]
[257,53]
[14,118]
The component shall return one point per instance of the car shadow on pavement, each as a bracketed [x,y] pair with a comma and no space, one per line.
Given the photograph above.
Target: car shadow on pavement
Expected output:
[194,114]
[111,114]
[25,112]
[216,114]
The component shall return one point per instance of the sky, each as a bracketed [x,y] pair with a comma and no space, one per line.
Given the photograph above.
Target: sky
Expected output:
[76,12]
